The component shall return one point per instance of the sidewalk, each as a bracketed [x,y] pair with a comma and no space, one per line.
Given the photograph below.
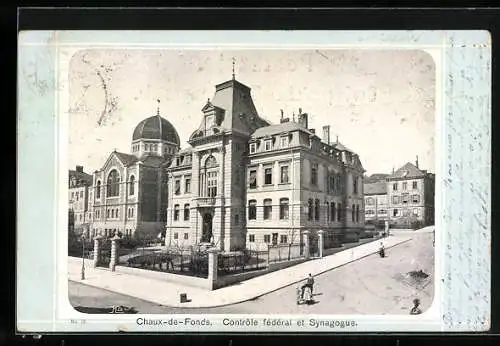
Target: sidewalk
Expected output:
[167,293]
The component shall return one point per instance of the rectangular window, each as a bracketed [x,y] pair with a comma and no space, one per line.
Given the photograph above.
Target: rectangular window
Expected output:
[81,194]
[176,235]
[284,141]
[268,145]
[284,175]
[212,184]
[310,209]
[316,210]
[268,176]
[177,188]
[284,208]
[283,239]
[275,238]
[314,174]
[176,212]
[395,187]
[186,212]
[267,238]
[382,212]
[252,210]
[395,212]
[332,211]
[355,185]
[415,185]
[416,212]
[253,148]
[416,199]
[405,185]
[268,209]
[186,236]
[404,198]
[395,199]
[339,212]
[187,185]
[252,179]
[236,219]
[251,238]
[353,212]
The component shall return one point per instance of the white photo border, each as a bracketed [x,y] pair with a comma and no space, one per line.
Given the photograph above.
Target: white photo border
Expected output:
[463,175]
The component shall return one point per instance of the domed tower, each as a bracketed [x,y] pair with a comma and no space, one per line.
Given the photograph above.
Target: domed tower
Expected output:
[155,136]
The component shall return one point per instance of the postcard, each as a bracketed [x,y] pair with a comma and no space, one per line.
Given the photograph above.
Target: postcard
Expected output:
[320,181]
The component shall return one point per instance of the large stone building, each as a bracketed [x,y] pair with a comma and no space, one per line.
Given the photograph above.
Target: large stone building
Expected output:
[129,193]
[245,183]
[405,197]
[78,197]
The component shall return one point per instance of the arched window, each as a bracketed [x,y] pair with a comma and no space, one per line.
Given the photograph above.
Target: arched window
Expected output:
[132,185]
[186,212]
[284,208]
[310,208]
[210,162]
[98,190]
[268,209]
[113,186]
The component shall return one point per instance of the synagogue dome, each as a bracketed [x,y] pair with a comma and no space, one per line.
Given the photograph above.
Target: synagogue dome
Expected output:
[156,127]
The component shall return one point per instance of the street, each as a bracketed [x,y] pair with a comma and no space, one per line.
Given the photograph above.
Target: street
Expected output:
[371,285]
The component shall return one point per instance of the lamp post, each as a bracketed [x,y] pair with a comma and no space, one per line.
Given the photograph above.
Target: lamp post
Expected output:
[83,257]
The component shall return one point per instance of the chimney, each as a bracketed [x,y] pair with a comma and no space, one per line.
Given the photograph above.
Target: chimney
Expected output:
[416,162]
[303,120]
[326,134]
[281,115]
[79,169]
[337,139]
[392,169]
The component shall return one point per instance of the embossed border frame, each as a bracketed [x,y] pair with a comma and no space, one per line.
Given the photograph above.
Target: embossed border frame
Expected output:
[464,177]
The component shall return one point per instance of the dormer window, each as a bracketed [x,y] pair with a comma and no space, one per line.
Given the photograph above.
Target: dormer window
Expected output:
[253,148]
[268,145]
[209,120]
[284,141]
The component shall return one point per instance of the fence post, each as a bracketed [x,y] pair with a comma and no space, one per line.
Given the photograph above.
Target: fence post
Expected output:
[305,239]
[97,250]
[114,252]
[212,267]
[320,242]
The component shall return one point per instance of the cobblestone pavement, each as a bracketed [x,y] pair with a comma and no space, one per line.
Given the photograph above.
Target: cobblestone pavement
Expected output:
[371,285]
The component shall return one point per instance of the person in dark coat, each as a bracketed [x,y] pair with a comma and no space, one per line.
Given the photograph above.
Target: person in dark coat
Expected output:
[415,310]
[309,283]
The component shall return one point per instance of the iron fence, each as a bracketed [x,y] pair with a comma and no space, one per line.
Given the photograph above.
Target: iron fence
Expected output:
[241,261]
[184,263]
[285,252]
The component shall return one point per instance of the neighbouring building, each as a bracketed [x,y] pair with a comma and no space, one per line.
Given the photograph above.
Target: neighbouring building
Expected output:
[129,193]
[246,183]
[376,203]
[78,196]
[405,197]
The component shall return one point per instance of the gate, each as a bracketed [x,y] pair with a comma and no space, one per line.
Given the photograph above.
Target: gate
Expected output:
[104,257]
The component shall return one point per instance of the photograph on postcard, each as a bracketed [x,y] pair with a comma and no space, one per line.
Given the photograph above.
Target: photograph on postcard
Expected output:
[246,181]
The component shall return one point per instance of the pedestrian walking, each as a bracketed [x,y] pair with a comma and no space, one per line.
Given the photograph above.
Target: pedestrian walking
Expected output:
[416,310]
[381,250]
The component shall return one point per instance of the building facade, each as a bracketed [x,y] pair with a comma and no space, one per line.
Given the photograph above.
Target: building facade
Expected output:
[376,202]
[129,193]
[78,196]
[246,183]
[407,195]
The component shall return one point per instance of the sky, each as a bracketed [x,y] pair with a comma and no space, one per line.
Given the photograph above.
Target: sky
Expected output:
[380,103]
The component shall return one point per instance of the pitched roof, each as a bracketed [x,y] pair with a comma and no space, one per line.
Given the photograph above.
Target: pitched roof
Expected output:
[341,147]
[154,160]
[126,159]
[378,188]
[409,170]
[80,176]
[279,128]
[376,177]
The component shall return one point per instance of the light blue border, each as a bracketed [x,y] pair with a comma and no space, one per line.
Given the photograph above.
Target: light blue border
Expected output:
[465,188]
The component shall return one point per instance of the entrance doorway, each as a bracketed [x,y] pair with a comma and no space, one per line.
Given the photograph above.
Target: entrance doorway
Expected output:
[206,235]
